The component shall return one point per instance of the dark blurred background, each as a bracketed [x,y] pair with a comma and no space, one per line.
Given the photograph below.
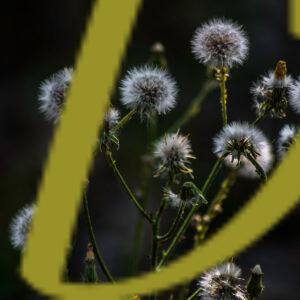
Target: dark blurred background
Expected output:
[40,37]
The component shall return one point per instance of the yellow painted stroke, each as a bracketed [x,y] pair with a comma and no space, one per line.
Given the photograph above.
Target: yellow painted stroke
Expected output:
[294,18]
[72,154]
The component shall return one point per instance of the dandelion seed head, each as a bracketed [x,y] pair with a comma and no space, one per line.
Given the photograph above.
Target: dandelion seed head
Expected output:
[246,169]
[111,118]
[238,139]
[220,43]
[286,138]
[53,93]
[174,153]
[295,96]
[271,93]
[20,226]
[150,90]
[222,283]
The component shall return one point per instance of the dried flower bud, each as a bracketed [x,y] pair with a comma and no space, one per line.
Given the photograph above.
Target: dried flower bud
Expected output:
[90,270]
[255,285]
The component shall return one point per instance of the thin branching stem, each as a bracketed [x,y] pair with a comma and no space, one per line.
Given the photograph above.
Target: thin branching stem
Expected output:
[190,215]
[174,225]
[195,106]
[124,120]
[257,167]
[216,204]
[126,187]
[93,240]
[195,294]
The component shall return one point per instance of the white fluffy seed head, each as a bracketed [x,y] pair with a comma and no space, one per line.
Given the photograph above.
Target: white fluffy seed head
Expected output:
[174,153]
[111,118]
[20,226]
[295,96]
[222,283]
[271,81]
[220,43]
[53,93]
[150,90]
[246,169]
[272,92]
[286,138]
[235,140]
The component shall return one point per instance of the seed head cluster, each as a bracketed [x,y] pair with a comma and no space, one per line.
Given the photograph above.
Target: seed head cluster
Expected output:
[220,43]
[238,140]
[174,153]
[222,283]
[20,226]
[271,93]
[149,90]
[295,96]
[53,93]
[286,138]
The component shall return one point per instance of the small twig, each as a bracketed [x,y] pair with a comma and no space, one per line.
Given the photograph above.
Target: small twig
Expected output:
[195,294]
[93,240]
[124,120]
[195,106]
[190,215]
[174,225]
[257,167]
[127,188]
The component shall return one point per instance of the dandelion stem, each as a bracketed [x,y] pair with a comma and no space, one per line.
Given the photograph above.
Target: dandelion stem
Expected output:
[257,166]
[215,170]
[126,187]
[219,199]
[93,240]
[124,120]
[195,294]
[190,215]
[195,106]
[174,226]
[146,175]
[222,77]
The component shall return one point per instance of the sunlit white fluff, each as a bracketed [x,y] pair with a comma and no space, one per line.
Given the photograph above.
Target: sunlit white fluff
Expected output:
[246,168]
[172,199]
[53,92]
[222,283]
[111,118]
[272,92]
[150,90]
[20,226]
[286,138]
[174,153]
[238,139]
[295,96]
[220,43]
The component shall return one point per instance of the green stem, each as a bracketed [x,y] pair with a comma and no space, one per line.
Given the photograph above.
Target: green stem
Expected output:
[219,199]
[93,240]
[195,106]
[215,170]
[257,166]
[194,295]
[223,76]
[190,215]
[144,198]
[126,187]
[124,120]
[174,226]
